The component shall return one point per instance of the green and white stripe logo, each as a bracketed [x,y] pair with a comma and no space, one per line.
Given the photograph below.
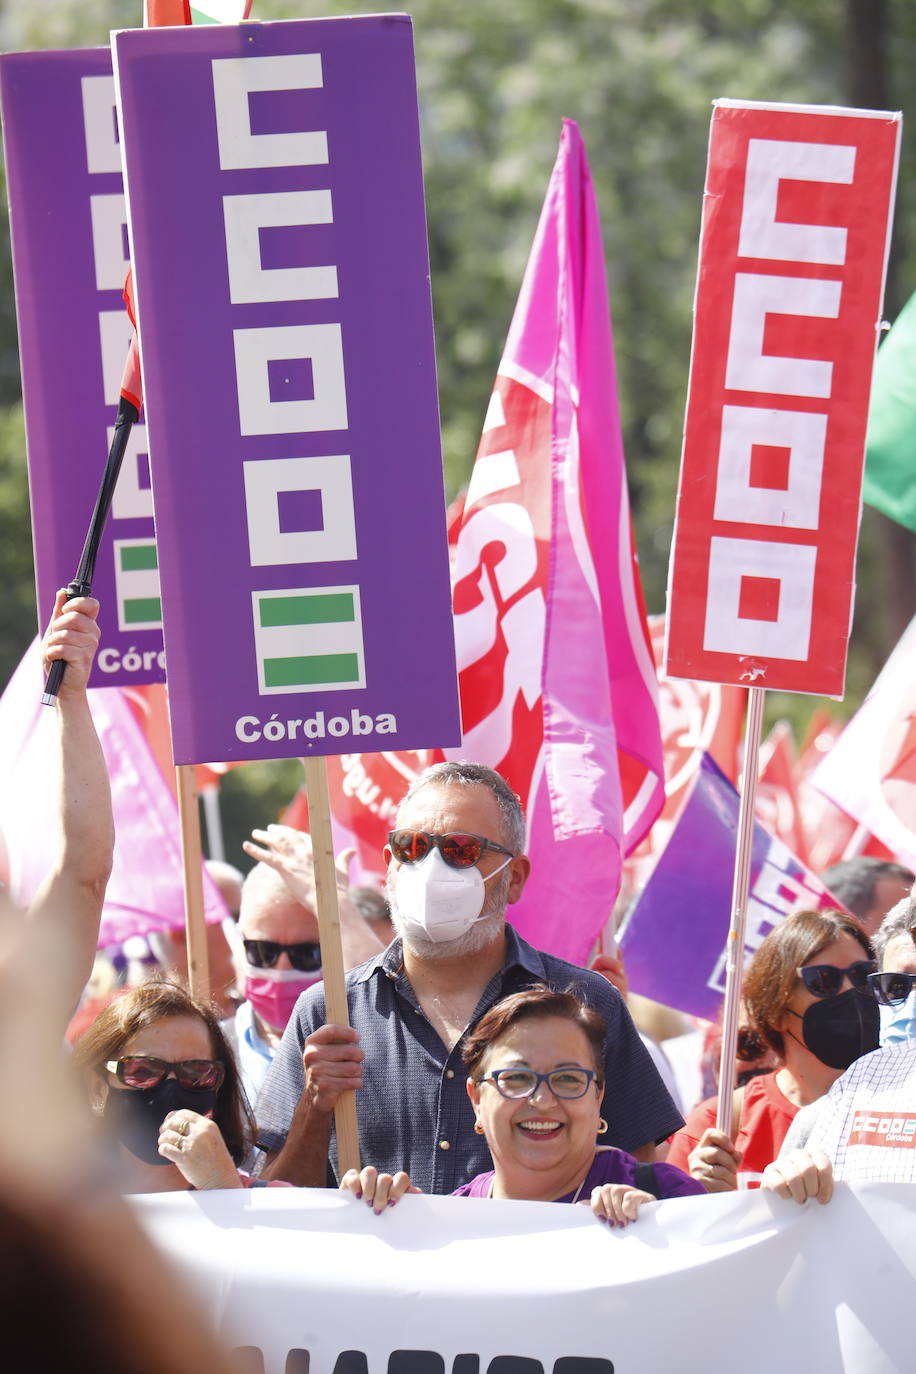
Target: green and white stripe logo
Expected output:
[137,584]
[309,640]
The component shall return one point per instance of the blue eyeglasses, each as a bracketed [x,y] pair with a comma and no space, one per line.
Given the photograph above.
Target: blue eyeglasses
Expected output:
[519,1083]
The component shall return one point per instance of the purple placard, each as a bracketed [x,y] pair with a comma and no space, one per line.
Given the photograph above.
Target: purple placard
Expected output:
[282,278]
[69,262]
[674,942]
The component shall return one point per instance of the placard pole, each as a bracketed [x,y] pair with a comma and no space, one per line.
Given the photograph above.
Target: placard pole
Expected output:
[335,994]
[192,867]
[734,952]
[128,415]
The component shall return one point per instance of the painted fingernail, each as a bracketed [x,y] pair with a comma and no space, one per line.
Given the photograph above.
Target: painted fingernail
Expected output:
[390,1202]
[378,1211]
[359,1192]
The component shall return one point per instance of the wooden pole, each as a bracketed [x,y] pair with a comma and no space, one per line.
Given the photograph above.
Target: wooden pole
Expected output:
[192,865]
[734,954]
[335,994]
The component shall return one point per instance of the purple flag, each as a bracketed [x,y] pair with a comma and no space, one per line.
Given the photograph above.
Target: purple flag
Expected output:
[69,260]
[674,941]
[282,289]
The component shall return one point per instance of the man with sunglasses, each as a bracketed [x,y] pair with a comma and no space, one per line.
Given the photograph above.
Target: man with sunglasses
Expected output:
[455,862]
[278,955]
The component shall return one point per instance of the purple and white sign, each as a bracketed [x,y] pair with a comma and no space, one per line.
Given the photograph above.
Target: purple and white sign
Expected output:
[674,941]
[275,198]
[69,262]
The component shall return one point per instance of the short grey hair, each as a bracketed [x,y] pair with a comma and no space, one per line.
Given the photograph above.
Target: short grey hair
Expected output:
[463,774]
[900,920]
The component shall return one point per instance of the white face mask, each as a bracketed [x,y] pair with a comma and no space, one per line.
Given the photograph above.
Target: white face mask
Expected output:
[441,902]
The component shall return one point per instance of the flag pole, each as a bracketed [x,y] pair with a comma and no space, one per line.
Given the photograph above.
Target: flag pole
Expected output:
[216,847]
[192,866]
[734,953]
[335,994]
[128,415]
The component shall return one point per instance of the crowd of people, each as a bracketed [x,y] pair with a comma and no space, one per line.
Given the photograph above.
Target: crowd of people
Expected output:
[483,1067]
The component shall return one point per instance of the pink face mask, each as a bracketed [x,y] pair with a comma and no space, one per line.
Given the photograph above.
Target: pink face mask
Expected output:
[273,992]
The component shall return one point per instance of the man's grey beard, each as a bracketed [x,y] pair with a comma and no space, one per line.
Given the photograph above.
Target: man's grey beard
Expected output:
[487,928]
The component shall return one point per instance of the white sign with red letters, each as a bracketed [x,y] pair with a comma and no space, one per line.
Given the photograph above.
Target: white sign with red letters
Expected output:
[793,251]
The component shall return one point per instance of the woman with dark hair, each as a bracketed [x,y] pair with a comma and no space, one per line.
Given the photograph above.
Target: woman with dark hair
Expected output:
[159,1072]
[535,1081]
[808,998]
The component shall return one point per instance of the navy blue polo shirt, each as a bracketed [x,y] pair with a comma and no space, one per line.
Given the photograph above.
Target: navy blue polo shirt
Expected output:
[413,1109]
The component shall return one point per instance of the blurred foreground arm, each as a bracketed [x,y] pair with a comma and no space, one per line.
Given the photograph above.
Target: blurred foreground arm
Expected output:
[71,896]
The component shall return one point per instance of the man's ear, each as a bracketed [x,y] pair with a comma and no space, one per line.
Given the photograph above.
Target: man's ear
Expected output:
[519,869]
[473,1091]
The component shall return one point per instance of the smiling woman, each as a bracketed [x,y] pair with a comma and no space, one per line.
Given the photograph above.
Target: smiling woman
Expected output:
[535,1080]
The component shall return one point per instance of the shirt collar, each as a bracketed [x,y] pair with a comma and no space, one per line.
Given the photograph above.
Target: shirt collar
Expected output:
[390,961]
[518,954]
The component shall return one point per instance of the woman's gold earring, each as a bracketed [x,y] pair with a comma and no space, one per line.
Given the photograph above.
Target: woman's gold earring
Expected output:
[478,1129]
[602,1125]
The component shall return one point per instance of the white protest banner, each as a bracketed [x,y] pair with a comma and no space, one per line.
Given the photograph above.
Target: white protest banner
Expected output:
[796,222]
[311,1282]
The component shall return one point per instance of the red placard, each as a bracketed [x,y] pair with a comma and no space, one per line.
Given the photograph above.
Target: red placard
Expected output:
[793,252]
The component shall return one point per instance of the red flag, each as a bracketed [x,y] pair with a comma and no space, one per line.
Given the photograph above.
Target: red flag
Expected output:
[778,807]
[131,380]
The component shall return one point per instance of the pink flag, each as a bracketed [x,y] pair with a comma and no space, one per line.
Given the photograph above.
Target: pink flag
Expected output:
[145,891]
[870,773]
[558,685]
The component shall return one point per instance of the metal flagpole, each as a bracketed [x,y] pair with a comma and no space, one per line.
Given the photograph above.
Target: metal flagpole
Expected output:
[734,954]
[192,866]
[128,415]
[216,847]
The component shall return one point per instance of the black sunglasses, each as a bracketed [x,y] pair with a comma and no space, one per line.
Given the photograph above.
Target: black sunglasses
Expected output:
[892,988]
[459,850]
[143,1071]
[825,980]
[305,957]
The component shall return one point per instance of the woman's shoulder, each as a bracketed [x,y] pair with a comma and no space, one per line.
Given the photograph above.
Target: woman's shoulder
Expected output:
[764,1092]
[479,1186]
[616,1166]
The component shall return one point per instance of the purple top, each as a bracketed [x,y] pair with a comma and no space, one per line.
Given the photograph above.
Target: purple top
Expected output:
[608,1166]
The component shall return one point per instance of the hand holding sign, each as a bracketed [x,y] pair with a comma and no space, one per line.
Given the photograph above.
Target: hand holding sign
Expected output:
[72,637]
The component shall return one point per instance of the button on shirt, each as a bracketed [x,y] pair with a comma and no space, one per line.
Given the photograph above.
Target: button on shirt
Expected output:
[413,1108]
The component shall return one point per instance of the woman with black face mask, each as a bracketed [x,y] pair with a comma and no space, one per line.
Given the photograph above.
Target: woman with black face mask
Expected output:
[808,998]
[163,1080]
